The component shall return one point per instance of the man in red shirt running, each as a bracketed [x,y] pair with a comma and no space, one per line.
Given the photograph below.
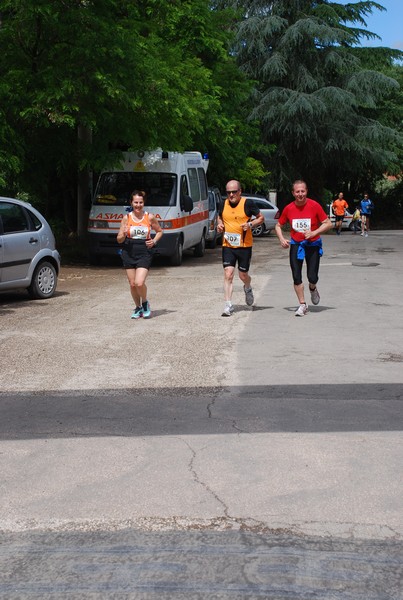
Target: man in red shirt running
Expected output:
[307,220]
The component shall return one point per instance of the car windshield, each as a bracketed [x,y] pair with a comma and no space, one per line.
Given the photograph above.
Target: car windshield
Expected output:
[115,188]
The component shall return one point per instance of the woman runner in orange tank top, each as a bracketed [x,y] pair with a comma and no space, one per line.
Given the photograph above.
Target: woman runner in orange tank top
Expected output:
[135,234]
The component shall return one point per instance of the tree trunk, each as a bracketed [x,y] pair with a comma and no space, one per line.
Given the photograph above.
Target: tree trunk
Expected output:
[84,183]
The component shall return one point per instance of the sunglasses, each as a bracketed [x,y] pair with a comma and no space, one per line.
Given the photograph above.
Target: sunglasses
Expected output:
[229,192]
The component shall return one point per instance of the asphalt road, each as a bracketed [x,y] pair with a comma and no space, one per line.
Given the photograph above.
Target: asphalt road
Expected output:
[191,455]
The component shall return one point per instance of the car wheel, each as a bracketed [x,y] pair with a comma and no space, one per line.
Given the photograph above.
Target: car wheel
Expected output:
[176,258]
[200,248]
[44,281]
[258,231]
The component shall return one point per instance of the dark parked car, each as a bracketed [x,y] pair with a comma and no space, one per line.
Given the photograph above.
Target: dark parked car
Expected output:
[28,255]
[215,204]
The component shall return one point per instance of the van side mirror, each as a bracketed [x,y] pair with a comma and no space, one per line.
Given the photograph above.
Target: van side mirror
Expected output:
[186,204]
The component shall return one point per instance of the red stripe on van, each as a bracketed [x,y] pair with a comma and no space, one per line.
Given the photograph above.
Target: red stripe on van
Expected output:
[177,223]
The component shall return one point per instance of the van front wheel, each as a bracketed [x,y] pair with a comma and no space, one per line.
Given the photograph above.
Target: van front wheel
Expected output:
[200,248]
[176,258]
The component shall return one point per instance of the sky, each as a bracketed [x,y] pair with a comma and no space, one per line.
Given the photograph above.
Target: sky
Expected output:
[387,24]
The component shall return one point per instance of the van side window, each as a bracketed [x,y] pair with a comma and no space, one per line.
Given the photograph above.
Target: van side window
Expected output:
[194,185]
[203,183]
[184,186]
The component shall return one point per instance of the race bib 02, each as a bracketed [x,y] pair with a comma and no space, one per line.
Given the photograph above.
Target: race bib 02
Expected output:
[301,224]
[233,239]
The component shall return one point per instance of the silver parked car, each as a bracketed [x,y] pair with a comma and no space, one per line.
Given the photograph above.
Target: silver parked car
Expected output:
[28,255]
[270,212]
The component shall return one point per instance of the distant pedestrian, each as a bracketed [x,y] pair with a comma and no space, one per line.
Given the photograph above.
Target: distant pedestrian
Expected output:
[339,207]
[235,222]
[367,207]
[307,220]
[356,220]
[137,252]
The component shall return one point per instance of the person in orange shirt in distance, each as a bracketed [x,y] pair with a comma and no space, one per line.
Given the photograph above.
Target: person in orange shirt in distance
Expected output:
[339,207]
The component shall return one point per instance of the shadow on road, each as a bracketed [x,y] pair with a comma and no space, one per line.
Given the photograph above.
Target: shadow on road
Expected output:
[148,412]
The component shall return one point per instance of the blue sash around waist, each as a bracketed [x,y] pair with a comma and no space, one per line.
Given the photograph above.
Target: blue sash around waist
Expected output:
[302,245]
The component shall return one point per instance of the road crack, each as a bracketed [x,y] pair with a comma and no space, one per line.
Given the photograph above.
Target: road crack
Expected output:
[203,484]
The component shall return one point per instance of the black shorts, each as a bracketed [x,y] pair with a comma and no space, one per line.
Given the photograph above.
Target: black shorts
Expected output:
[230,256]
[136,256]
[339,218]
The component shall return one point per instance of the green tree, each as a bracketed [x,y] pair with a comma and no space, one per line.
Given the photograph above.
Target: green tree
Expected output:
[117,68]
[315,98]
[206,31]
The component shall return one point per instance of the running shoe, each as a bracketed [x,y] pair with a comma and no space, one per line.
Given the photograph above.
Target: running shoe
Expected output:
[137,313]
[301,310]
[315,298]
[146,309]
[249,299]
[228,310]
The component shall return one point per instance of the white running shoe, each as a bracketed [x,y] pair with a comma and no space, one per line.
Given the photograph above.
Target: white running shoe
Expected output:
[315,298]
[249,299]
[228,310]
[301,310]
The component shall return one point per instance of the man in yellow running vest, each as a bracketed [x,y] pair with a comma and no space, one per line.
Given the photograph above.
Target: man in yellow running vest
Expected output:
[236,220]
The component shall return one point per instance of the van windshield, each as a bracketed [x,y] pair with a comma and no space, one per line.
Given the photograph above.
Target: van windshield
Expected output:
[115,188]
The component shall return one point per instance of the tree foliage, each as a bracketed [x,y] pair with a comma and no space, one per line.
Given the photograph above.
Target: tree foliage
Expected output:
[317,100]
[272,90]
[135,74]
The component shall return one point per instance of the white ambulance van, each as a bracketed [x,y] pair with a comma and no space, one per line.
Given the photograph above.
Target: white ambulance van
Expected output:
[177,194]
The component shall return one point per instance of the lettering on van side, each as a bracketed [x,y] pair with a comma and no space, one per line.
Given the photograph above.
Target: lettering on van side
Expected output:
[110,216]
